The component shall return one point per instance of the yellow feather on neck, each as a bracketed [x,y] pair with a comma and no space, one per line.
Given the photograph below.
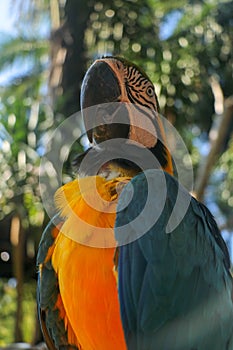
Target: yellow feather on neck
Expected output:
[89,207]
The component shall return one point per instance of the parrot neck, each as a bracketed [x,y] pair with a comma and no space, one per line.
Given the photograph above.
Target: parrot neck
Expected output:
[118,168]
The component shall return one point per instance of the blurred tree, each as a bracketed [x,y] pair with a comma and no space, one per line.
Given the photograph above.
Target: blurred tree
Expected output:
[203,58]
[224,190]
[91,29]
[24,118]
[182,62]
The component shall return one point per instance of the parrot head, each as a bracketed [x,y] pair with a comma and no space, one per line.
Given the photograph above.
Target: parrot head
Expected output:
[124,106]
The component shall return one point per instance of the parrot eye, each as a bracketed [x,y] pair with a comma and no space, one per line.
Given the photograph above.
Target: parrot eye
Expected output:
[150,91]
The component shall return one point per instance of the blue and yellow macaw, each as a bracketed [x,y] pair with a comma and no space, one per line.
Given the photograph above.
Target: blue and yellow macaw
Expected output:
[110,281]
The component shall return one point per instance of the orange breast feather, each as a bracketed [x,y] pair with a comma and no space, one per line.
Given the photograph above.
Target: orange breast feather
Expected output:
[83,260]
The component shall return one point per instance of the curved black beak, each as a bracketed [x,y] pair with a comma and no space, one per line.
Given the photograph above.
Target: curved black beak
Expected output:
[108,119]
[100,85]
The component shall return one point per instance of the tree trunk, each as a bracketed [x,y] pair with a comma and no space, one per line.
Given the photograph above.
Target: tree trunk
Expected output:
[17,236]
[77,13]
[216,148]
[69,59]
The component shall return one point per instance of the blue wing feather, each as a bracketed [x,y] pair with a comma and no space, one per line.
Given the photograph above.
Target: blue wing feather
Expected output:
[175,289]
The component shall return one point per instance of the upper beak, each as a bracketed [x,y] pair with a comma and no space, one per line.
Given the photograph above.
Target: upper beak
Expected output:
[100,85]
[108,119]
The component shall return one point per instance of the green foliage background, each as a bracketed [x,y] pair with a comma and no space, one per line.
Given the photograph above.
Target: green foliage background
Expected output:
[8,301]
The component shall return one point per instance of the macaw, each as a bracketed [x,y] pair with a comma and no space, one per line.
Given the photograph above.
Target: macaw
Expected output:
[108,280]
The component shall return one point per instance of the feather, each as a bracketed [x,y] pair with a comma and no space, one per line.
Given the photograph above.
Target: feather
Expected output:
[175,289]
[77,280]
[55,328]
